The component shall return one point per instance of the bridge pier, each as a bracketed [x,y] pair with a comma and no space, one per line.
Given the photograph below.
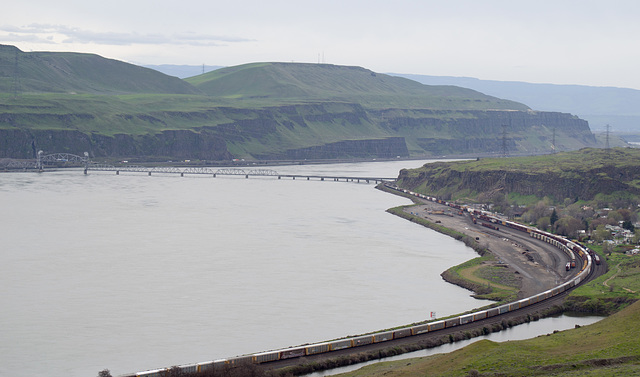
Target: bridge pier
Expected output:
[307,178]
[182,174]
[85,171]
[117,172]
[149,174]
[281,177]
[246,176]
[214,175]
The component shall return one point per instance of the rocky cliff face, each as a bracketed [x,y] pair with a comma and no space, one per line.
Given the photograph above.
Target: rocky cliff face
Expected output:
[179,144]
[307,131]
[440,180]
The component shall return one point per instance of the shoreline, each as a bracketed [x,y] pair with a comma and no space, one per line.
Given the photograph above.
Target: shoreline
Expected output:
[547,308]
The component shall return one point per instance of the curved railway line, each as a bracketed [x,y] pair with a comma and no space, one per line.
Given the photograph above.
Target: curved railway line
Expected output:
[580,259]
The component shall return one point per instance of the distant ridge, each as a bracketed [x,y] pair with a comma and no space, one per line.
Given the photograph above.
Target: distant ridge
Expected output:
[326,82]
[68,72]
[618,107]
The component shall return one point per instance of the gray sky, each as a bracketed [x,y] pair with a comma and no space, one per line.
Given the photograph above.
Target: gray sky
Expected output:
[544,41]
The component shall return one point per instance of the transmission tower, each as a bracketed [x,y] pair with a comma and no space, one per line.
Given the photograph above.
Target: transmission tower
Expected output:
[553,142]
[504,140]
[607,137]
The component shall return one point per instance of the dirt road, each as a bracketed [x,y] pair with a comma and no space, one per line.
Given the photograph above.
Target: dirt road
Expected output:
[540,265]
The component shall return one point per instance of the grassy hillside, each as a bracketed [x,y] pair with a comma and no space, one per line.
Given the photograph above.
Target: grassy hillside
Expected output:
[607,348]
[277,82]
[577,175]
[72,73]
[70,101]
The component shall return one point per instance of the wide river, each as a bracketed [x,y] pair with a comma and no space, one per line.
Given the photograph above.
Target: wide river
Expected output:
[130,272]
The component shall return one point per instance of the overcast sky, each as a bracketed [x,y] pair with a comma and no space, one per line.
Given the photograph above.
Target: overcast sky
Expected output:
[544,41]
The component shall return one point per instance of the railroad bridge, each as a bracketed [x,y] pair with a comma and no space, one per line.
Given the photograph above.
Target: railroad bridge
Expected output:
[63,160]
[215,172]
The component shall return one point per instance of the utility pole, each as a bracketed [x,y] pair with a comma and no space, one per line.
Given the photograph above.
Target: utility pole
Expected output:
[15,77]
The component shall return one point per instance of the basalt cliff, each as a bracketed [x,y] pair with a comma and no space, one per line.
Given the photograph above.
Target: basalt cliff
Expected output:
[574,175]
[75,103]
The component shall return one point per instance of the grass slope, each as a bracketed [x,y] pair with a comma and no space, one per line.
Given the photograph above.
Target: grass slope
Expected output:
[277,82]
[591,171]
[607,348]
[66,72]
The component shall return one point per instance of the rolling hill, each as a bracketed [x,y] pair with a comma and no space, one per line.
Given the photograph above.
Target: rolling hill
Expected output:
[328,83]
[75,73]
[71,102]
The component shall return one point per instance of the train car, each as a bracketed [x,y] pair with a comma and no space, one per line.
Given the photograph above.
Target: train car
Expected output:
[480,315]
[290,353]
[490,226]
[188,368]
[362,340]
[493,312]
[209,365]
[451,322]
[433,326]
[382,336]
[503,309]
[239,360]
[402,333]
[318,348]
[265,357]
[153,373]
[420,329]
[466,319]
[568,266]
[340,344]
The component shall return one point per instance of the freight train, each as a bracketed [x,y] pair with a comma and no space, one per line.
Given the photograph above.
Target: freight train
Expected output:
[571,248]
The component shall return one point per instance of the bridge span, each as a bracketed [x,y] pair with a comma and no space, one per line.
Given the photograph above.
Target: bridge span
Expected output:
[215,172]
[68,160]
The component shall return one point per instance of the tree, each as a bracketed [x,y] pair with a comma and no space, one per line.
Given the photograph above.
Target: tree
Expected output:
[543,223]
[601,234]
[104,373]
[554,217]
[568,226]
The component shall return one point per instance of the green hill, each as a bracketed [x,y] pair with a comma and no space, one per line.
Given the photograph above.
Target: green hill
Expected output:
[74,73]
[71,102]
[578,175]
[278,82]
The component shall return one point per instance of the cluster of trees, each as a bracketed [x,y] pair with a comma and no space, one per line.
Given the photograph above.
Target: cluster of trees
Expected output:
[576,218]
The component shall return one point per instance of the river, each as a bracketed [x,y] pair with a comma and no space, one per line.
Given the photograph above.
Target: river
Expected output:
[130,272]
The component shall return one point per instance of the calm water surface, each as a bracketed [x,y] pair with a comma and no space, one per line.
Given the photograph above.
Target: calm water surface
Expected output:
[133,272]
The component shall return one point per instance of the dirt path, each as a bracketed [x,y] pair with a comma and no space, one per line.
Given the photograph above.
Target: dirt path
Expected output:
[606,282]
